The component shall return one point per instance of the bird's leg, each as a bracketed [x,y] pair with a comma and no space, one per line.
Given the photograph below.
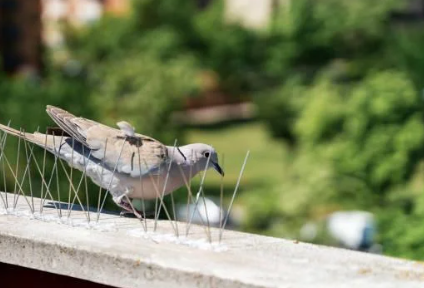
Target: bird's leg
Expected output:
[129,209]
[122,202]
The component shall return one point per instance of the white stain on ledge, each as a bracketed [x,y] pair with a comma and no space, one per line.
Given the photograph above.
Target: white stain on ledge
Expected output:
[157,237]
[203,243]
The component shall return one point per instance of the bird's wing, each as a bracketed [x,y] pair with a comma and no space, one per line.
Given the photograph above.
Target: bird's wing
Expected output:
[133,155]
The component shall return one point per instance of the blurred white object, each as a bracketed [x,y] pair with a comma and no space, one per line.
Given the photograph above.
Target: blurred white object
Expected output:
[308,232]
[85,11]
[206,211]
[353,229]
[76,12]
[249,13]
[54,9]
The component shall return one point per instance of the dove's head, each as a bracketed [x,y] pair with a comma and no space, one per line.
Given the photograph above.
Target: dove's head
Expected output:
[200,155]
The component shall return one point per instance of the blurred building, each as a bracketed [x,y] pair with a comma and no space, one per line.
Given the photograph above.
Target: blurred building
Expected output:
[415,8]
[20,36]
[77,13]
[412,12]
[257,14]
[25,25]
[249,13]
[116,7]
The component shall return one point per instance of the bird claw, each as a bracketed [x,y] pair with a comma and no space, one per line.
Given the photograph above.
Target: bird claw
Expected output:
[128,209]
[126,213]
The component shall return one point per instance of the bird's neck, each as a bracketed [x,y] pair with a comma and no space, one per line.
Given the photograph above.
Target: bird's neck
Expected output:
[178,155]
[186,159]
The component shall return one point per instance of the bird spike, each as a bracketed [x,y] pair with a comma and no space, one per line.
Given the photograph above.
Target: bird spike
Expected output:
[32,165]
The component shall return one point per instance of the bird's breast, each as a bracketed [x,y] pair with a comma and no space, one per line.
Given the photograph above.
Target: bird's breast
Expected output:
[154,186]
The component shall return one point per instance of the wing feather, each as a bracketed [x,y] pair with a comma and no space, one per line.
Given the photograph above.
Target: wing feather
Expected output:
[133,155]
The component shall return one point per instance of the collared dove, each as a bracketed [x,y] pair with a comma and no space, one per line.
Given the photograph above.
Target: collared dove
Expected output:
[119,160]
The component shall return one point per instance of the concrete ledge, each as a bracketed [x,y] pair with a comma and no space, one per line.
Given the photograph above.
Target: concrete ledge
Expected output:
[118,252]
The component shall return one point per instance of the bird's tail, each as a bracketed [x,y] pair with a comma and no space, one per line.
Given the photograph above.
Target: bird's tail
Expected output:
[39,139]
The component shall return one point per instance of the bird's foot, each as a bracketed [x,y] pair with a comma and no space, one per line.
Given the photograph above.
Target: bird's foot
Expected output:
[129,210]
[126,213]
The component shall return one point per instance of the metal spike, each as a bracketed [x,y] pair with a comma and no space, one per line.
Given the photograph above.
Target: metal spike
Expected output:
[221,194]
[160,199]
[100,190]
[234,195]
[28,159]
[190,196]
[42,174]
[143,207]
[198,194]
[16,172]
[164,189]
[2,144]
[111,179]
[71,177]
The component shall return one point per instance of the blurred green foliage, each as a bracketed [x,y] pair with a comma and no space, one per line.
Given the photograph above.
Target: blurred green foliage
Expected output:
[338,83]
[350,107]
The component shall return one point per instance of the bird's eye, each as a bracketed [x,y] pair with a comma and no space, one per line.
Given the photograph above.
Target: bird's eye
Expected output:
[206,154]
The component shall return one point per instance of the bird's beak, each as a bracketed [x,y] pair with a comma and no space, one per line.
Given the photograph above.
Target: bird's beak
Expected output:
[218,168]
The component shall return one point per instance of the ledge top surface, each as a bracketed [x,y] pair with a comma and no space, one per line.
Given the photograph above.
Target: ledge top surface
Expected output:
[119,252]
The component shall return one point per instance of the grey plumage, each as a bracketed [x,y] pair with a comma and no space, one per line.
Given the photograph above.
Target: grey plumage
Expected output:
[122,161]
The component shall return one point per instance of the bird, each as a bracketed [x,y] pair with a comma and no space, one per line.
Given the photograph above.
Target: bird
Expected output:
[127,164]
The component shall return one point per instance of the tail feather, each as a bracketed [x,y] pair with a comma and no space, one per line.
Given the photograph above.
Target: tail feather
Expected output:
[36,138]
[15,132]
